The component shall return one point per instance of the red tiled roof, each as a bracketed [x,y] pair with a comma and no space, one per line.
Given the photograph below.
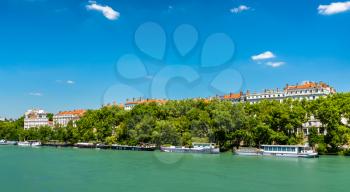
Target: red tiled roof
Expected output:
[79,112]
[146,101]
[308,85]
[232,96]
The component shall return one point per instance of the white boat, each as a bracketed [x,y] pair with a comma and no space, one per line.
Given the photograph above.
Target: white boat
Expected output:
[209,148]
[289,151]
[280,151]
[5,142]
[29,143]
[35,143]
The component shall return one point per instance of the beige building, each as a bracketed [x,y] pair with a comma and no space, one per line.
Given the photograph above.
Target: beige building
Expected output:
[62,118]
[35,118]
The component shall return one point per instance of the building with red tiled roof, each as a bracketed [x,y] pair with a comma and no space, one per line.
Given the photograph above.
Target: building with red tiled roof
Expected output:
[306,90]
[234,97]
[62,118]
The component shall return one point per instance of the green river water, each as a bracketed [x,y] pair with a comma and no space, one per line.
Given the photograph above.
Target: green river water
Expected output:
[68,169]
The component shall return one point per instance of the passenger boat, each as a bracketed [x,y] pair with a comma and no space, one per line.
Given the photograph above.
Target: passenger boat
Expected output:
[289,151]
[208,148]
[29,143]
[280,151]
[5,142]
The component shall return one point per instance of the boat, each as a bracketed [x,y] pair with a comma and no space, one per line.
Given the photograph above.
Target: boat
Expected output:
[56,143]
[248,151]
[29,143]
[280,151]
[127,147]
[85,145]
[289,151]
[5,142]
[208,148]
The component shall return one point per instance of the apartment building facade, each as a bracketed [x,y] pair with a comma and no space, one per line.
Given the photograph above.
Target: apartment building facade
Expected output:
[36,118]
[62,118]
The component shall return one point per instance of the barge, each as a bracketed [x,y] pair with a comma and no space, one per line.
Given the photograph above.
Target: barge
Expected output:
[29,143]
[208,148]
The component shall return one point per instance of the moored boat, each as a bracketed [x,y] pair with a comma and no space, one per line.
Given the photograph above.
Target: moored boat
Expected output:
[127,147]
[208,148]
[289,151]
[280,151]
[29,143]
[247,151]
[5,142]
[85,145]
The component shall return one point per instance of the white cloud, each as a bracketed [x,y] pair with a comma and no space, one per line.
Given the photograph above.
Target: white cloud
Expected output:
[275,64]
[334,8]
[66,82]
[37,94]
[263,56]
[70,82]
[239,9]
[107,11]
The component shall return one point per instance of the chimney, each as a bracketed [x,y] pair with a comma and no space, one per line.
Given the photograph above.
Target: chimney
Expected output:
[248,92]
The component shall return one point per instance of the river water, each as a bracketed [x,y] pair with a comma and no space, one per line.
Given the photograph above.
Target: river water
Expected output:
[69,169]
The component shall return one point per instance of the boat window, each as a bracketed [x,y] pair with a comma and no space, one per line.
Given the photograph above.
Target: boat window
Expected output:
[274,149]
[284,149]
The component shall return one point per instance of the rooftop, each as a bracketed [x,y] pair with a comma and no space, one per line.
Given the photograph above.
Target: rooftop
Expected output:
[78,112]
[140,101]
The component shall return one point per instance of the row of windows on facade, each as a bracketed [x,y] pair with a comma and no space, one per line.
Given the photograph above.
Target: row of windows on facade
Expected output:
[282,95]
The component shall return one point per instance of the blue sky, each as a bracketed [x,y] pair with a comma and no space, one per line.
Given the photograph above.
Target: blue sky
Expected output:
[65,54]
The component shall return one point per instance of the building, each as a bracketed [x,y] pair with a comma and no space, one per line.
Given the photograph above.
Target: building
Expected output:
[132,103]
[313,122]
[306,90]
[36,118]
[268,94]
[234,97]
[62,118]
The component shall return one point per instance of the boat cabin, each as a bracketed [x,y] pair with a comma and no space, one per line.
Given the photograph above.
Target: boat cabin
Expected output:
[297,149]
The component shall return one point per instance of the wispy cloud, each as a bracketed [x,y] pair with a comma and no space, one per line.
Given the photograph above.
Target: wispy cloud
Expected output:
[263,56]
[239,9]
[70,82]
[334,8]
[275,64]
[65,81]
[37,94]
[107,11]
